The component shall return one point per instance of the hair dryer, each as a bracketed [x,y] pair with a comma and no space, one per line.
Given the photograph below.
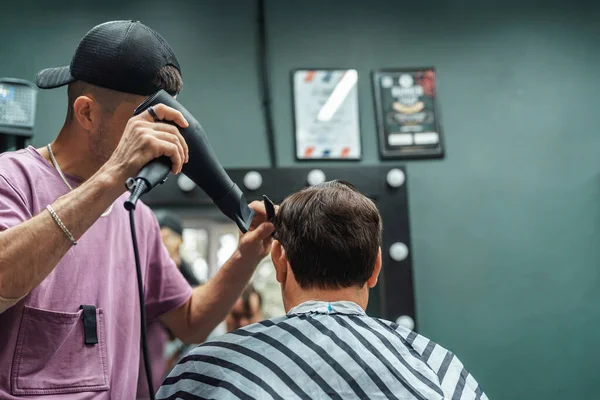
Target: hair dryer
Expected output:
[203,168]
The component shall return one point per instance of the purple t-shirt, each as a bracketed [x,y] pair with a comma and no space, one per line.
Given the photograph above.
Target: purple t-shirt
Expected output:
[42,350]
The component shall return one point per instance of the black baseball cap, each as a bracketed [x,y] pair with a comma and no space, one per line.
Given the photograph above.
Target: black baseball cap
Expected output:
[118,55]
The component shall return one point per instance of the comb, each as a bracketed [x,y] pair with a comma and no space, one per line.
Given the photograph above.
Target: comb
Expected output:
[269,207]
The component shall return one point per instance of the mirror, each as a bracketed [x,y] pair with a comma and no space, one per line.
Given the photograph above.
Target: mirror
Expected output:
[208,244]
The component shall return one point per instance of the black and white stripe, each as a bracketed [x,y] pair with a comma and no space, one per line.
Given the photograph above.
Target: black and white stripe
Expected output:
[221,363]
[303,365]
[321,355]
[336,366]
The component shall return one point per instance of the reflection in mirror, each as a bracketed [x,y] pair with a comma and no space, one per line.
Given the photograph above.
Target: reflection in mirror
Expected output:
[194,251]
[266,284]
[263,280]
[208,244]
[227,245]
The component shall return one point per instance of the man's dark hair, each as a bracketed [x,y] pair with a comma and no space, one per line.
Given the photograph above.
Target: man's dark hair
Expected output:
[331,234]
[167,78]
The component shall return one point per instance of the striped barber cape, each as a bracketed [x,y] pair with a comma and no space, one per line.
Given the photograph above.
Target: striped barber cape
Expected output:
[321,350]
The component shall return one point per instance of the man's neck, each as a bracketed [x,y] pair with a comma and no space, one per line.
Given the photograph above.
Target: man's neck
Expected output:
[356,295]
[71,155]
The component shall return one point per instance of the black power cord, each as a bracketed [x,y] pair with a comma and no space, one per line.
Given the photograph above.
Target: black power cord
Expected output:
[263,67]
[128,205]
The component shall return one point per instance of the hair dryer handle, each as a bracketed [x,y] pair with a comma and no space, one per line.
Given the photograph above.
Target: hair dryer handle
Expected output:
[158,173]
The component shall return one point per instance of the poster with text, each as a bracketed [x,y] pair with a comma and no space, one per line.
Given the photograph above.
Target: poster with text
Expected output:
[407,118]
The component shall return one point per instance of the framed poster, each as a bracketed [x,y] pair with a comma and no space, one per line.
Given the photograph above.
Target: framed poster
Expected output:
[406,111]
[326,122]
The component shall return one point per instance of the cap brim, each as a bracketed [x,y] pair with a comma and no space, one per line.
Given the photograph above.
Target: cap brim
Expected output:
[50,78]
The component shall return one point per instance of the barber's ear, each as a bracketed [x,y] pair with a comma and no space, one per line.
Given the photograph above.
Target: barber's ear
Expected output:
[375,275]
[85,111]
[279,261]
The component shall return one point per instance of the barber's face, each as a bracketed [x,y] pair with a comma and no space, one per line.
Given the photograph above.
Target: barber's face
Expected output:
[108,134]
[172,242]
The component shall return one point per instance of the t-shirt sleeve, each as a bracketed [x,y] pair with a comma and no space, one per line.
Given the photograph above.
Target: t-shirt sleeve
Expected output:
[455,380]
[13,207]
[165,287]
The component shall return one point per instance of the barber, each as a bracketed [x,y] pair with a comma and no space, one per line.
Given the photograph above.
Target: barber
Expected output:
[69,321]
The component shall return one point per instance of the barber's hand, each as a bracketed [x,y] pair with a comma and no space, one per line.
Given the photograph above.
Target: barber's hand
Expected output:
[144,140]
[260,213]
[256,243]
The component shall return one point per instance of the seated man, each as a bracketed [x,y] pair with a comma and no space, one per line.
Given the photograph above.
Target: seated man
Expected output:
[327,256]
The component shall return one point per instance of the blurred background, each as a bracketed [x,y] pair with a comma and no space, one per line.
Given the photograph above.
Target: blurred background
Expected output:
[505,229]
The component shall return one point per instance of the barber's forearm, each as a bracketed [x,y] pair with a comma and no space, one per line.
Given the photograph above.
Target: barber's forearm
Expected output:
[211,302]
[31,250]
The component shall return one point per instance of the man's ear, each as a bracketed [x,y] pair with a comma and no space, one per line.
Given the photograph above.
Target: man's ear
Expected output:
[85,111]
[376,270]
[280,261]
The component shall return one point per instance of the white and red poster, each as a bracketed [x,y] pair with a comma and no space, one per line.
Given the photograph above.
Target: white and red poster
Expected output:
[326,114]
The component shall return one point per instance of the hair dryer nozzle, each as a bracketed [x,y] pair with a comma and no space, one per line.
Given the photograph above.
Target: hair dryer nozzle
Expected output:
[234,205]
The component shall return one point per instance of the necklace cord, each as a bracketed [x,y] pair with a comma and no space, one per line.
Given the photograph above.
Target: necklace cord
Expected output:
[62,175]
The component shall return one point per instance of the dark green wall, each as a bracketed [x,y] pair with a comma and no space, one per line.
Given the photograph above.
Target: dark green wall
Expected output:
[505,229]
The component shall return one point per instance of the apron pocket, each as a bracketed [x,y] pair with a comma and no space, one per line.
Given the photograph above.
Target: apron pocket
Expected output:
[51,356]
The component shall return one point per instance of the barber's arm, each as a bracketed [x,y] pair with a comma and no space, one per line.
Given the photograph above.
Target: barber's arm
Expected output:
[31,249]
[33,245]
[210,303]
